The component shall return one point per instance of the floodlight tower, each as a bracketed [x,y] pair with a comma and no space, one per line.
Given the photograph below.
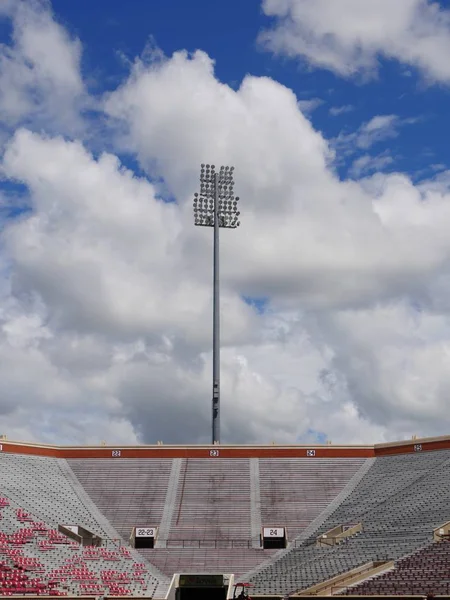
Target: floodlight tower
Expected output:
[216,206]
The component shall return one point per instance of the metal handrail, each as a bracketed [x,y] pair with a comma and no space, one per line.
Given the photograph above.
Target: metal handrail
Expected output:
[208,543]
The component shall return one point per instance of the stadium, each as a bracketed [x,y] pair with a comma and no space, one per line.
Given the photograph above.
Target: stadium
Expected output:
[132,135]
[197,521]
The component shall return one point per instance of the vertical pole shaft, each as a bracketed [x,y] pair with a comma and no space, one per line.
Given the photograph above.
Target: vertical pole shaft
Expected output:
[216,320]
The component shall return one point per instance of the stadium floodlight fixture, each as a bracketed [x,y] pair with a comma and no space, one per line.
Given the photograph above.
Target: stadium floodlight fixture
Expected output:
[216,206]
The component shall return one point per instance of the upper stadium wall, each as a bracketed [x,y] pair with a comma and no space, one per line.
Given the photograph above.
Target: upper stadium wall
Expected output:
[227,451]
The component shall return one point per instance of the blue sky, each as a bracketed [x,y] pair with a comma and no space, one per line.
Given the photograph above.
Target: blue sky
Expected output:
[113,35]
[335,289]
[112,32]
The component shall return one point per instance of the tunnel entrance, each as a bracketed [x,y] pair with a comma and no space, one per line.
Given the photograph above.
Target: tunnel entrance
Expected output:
[202,593]
[201,587]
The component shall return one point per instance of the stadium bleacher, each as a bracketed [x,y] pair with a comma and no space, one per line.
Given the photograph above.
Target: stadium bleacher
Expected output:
[209,513]
[38,495]
[400,501]
[127,495]
[212,512]
[38,559]
[294,492]
[425,572]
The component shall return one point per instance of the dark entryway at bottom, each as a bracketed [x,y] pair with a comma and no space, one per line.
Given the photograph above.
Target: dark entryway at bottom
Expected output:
[202,593]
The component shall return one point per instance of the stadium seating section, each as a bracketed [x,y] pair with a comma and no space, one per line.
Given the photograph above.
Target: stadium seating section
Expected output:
[400,500]
[425,572]
[38,494]
[209,515]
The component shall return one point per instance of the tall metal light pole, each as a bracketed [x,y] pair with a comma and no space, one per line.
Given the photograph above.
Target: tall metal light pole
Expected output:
[216,206]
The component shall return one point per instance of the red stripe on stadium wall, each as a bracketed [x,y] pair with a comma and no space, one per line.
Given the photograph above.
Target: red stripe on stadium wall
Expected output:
[217,452]
[414,446]
[190,452]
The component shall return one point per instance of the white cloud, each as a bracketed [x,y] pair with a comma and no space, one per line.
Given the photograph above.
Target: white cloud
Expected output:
[309,106]
[404,353]
[126,306]
[292,254]
[105,289]
[340,110]
[368,164]
[349,36]
[376,130]
[40,78]
[379,128]
[160,128]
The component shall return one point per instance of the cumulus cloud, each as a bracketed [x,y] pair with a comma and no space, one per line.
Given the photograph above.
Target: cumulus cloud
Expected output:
[40,79]
[105,313]
[404,353]
[93,251]
[349,37]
